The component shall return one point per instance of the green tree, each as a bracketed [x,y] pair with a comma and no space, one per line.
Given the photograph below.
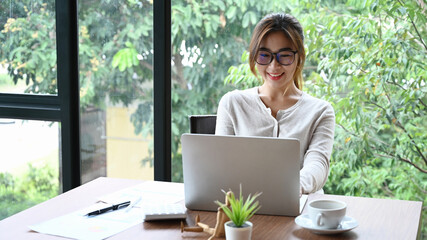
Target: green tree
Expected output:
[28,48]
[36,185]
[373,60]
[370,63]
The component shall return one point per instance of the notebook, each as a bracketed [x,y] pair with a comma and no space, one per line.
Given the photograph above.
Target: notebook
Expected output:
[260,164]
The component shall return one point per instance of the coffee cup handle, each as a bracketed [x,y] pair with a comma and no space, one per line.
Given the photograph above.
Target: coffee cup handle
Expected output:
[319,219]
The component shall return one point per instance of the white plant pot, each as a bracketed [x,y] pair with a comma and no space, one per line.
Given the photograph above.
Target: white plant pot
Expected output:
[238,233]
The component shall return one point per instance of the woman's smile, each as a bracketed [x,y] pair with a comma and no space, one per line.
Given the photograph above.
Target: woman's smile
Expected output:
[275,76]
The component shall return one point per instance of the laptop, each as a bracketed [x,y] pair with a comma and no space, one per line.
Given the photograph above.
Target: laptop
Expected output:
[212,163]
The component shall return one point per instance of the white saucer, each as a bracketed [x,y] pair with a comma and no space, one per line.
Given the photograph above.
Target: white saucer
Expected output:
[347,224]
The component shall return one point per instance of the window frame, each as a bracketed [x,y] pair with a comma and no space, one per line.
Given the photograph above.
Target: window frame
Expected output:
[65,107]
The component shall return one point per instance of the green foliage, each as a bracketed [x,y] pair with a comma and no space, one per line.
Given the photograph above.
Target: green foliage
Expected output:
[126,57]
[242,75]
[4,79]
[28,47]
[370,61]
[239,210]
[18,193]
[373,70]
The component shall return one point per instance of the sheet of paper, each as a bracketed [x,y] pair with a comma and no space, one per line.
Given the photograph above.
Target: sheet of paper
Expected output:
[302,201]
[149,192]
[78,226]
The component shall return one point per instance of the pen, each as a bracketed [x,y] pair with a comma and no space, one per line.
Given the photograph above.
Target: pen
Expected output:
[133,204]
[107,209]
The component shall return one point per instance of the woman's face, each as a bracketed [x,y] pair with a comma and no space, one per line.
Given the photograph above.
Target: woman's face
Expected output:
[274,74]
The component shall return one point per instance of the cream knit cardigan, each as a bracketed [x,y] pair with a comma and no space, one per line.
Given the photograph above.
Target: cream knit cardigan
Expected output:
[311,120]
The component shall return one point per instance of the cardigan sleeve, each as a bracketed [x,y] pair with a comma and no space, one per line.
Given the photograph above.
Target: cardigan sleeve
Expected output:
[224,121]
[315,169]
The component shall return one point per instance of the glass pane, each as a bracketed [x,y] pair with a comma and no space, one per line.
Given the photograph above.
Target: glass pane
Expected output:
[28,47]
[29,164]
[207,39]
[116,81]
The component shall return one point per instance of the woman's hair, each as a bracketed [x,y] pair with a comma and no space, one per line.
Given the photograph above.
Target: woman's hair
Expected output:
[289,25]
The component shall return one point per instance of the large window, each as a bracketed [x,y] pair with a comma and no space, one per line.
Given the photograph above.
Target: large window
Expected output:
[116,89]
[102,108]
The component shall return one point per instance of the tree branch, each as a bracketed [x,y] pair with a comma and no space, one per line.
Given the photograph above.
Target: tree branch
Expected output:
[400,158]
[398,124]
[361,69]
[146,65]
[179,70]
[355,135]
[375,104]
[415,27]
[388,154]
[400,86]
[413,164]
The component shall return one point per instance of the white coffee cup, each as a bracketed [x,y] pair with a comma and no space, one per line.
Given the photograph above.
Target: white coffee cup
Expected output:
[326,214]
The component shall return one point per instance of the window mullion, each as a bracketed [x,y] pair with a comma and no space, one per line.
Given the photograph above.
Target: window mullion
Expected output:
[162,90]
[68,91]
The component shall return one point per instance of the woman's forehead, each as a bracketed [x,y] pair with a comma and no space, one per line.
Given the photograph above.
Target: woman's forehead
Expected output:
[276,40]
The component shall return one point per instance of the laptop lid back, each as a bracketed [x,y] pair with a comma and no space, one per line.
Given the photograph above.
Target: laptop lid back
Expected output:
[260,164]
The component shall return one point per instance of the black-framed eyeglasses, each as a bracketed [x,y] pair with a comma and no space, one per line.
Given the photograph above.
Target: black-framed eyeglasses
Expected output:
[286,57]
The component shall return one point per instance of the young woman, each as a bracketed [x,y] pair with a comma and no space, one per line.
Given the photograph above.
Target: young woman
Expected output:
[279,107]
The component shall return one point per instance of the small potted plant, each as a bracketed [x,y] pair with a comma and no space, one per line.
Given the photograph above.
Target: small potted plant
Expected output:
[239,211]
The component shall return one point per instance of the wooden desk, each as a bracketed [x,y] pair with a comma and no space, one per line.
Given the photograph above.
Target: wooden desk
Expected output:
[378,218]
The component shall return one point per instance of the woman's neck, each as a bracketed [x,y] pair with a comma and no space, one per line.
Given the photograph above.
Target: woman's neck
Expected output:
[289,92]
[279,99]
